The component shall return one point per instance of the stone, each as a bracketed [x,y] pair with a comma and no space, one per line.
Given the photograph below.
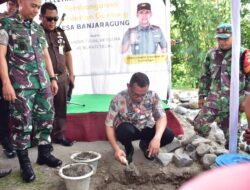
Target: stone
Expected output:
[203,149]
[181,110]
[188,137]
[165,158]
[173,145]
[208,160]
[182,160]
[196,142]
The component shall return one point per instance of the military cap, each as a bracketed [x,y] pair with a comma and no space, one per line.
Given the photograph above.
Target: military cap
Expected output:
[142,6]
[224,30]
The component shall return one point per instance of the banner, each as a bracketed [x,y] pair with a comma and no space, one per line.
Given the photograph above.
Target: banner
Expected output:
[109,44]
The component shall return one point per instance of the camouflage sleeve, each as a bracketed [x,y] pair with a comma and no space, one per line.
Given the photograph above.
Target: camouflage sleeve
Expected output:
[4,37]
[205,78]
[42,38]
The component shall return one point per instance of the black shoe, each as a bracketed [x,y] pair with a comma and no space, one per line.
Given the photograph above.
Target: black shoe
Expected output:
[26,169]
[10,153]
[45,157]
[4,172]
[129,154]
[63,142]
[144,147]
[8,148]
[51,148]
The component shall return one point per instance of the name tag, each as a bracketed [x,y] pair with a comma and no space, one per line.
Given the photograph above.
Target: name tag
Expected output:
[61,50]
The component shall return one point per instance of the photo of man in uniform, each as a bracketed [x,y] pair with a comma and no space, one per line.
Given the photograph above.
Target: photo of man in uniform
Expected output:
[144,38]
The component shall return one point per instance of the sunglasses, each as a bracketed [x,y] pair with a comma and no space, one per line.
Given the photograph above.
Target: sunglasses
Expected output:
[222,39]
[50,19]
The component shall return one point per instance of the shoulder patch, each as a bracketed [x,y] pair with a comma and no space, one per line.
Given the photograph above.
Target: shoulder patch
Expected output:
[154,26]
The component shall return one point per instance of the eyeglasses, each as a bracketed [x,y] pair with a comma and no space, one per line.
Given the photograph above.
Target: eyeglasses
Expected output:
[50,19]
[136,95]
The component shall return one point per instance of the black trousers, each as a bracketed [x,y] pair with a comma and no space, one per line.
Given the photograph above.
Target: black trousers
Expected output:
[4,116]
[126,133]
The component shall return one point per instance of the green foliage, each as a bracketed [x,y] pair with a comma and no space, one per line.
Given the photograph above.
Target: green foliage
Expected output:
[194,23]
[245,24]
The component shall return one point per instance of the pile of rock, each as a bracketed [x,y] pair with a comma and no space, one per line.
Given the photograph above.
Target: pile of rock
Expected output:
[190,147]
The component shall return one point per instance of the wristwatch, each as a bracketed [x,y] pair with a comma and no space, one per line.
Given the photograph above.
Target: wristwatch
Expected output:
[53,78]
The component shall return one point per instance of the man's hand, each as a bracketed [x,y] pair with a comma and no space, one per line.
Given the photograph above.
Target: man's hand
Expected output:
[154,147]
[54,87]
[201,102]
[9,92]
[119,155]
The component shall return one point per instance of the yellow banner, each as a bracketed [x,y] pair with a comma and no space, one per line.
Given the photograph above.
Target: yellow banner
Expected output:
[146,59]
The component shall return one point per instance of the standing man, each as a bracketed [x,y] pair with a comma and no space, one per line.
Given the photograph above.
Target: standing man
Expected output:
[59,51]
[12,7]
[137,113]
[144,38]
[214,89]
[29,84]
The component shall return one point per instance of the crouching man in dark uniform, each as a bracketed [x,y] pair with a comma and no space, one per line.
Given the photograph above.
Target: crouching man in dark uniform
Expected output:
[59,50]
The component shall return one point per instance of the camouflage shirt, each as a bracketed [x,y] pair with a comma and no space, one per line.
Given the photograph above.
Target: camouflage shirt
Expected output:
[25,41]
[141,115]
[215,78]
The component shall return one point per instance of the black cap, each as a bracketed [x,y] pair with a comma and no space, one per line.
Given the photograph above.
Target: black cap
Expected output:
[142,6]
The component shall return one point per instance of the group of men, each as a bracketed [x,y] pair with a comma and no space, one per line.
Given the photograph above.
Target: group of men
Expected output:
[36,70]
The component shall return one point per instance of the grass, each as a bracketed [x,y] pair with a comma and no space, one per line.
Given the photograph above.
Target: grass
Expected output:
[14,181]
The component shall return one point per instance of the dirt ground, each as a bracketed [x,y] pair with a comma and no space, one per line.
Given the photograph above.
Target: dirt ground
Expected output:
[110,174]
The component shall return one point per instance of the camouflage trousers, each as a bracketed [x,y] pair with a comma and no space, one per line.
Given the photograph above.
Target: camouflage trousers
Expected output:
[208,115]
[32,111]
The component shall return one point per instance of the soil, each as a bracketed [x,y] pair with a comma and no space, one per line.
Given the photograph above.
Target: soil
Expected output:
[77,170]
[85,156]
[110,174]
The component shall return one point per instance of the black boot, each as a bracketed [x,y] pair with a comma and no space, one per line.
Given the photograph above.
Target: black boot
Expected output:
[8,148]
[45,156]
[4,172]
[27,172]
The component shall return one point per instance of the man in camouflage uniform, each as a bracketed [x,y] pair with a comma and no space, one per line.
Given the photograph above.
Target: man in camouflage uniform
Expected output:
[214,86]
[5,138]
[144,38]
[26,84]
